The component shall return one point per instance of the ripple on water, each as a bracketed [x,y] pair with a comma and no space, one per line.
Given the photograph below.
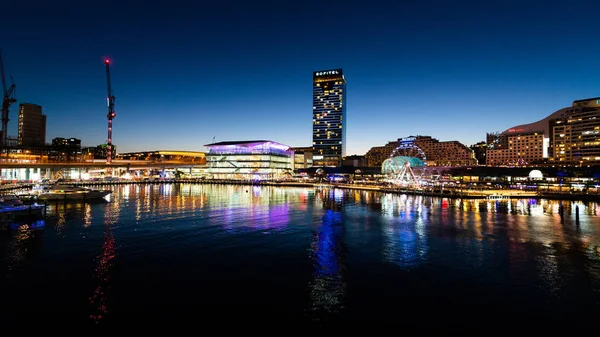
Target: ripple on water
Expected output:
[313,253]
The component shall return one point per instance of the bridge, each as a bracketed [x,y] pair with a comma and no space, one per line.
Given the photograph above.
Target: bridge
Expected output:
[126,164]
[54,170]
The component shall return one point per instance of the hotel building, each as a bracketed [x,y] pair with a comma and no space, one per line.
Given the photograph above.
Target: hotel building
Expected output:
[519,149]
[378,154]
[569,136]
[575,137]
[521,145]
[448,153]
[329,117]
[248,160]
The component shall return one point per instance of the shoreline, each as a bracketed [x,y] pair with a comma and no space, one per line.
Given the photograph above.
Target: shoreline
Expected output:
[440,193]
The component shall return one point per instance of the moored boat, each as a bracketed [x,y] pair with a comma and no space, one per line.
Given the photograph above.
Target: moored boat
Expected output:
[12,205]
[70,192]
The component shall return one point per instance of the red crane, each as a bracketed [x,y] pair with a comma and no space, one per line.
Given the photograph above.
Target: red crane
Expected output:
[111,114]
[8,98]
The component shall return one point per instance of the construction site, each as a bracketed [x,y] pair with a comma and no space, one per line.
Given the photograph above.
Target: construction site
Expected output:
[30,145]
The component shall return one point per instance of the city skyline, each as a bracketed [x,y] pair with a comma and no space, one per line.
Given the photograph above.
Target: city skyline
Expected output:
[242,73]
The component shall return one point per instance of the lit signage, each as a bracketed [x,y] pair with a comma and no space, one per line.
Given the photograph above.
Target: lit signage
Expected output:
[329,72]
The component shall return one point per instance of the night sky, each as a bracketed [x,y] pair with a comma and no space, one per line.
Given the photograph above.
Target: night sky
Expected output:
[185,72]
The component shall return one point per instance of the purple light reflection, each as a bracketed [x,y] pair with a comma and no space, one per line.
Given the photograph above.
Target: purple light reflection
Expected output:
[267,147]
[258,217]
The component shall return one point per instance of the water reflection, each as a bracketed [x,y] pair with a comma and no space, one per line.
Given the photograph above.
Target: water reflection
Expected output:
[24,239]
[396,243]
[328,253]
[100,295]
[404,230]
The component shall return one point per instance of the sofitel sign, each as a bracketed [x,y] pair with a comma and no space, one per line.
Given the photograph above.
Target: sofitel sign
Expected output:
[329,72]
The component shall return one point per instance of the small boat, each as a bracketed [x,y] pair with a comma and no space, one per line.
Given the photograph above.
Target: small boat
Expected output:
[70,192]
[12,204]
[10,200]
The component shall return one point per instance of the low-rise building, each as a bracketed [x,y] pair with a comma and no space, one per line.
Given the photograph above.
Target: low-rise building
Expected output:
[302,157]
[249,160]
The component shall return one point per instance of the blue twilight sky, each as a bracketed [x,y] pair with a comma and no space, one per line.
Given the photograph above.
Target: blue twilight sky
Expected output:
[185,72]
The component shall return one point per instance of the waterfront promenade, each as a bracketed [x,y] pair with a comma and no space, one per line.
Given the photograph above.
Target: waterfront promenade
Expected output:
[448,192]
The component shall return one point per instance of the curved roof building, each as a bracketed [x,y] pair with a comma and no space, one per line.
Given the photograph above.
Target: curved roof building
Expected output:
[248,147]
[569,135]
[543,125]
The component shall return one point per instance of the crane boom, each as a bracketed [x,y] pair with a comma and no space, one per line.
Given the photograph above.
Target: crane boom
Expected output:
[4,89]
[8,98]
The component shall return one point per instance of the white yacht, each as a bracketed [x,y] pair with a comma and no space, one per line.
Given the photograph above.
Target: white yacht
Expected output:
[70,192]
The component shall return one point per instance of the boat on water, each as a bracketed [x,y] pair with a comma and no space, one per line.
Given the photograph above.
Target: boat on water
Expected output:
[12,204]
[70,192]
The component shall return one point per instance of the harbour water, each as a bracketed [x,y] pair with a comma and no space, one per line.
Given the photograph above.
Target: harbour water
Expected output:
[193,254]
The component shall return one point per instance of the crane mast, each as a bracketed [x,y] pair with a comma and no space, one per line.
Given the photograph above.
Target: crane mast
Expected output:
[110,98]
[8,98]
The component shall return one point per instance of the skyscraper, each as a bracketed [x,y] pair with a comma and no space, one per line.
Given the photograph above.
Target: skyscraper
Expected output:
[329,117]
[32,125]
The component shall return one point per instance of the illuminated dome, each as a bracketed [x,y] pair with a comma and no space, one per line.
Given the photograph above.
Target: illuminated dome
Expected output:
[536,174]
[397,163]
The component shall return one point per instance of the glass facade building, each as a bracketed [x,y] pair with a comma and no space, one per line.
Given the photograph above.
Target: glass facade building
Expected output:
[329,117]
[248,160]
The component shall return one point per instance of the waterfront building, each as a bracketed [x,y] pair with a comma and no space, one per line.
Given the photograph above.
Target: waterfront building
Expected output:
[516,148]
[184,157]
[378,154]
[100,151]
[445,153]
[520,145]
[355,161]
[479,150]
[249,160]
[65,150]
[575,136]
[569,136]
[32,125]
[437,153]
[302,157]
[329,117]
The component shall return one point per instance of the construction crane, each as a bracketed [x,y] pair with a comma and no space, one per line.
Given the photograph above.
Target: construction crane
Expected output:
[111,114]
[8,98]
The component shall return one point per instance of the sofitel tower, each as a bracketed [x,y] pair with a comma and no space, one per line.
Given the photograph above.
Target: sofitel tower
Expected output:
[329,117]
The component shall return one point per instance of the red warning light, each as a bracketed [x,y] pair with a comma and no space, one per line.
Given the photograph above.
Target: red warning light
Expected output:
[107,61]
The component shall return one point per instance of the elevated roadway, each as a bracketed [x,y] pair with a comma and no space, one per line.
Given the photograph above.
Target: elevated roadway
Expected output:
[124,164]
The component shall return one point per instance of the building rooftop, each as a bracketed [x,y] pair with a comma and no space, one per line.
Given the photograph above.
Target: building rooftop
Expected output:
[542,125]
[239,142]
[587,99]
